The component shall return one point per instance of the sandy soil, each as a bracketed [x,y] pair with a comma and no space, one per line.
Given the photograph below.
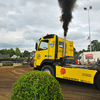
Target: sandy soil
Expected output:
[71,90]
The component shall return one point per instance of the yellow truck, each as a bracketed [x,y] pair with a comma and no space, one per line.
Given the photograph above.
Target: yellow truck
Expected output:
[49,57]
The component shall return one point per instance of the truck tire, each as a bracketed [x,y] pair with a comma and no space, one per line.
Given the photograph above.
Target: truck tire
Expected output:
[49,69]
[97,82]
[32,63]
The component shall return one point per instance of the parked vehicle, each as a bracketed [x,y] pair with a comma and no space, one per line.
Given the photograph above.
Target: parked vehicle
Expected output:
[91,57]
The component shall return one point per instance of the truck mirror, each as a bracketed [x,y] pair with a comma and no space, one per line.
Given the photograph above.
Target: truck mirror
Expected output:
[36,46]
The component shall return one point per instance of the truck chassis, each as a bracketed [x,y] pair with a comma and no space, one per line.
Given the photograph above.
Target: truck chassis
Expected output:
[79,73]
[85,74]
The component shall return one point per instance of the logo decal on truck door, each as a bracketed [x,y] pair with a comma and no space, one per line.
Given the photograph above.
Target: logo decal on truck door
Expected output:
[38,56]
[52,44]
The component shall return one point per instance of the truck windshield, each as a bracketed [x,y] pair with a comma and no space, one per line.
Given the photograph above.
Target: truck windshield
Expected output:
[32,54]
[43,45]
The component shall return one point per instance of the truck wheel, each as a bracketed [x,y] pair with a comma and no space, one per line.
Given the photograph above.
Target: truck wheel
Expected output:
[97,82]
[48,69]
[32,63]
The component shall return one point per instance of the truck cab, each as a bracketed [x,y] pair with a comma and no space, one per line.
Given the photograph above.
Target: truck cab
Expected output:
[49,51]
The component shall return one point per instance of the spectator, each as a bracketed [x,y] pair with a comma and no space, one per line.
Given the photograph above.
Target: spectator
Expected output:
[76,61]
[88,61]
[99,60]
[94,61]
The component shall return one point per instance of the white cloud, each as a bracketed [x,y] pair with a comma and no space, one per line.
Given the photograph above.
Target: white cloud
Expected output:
[23,22]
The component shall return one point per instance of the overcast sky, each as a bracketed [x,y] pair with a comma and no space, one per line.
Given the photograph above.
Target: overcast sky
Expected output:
[23,22]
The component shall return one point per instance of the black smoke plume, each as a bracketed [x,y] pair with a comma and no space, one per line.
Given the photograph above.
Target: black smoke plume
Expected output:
[67,7]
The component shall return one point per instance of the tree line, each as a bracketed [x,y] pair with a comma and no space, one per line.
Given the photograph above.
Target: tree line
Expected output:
[95,46]
[16,52]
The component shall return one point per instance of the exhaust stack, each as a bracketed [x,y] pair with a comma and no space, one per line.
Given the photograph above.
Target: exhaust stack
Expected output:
[67,6]
[64,52]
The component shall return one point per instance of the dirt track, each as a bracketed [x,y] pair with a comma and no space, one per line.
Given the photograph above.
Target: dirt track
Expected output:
[71,90]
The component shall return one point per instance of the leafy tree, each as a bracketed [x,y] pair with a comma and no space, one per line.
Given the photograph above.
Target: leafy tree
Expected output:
[95,46]
[88,48]
[98,45]
[80,52]
[6,51]
[33,51]
[26,53]
[84,50]
[11,52]
[75,53]
[2,51]
[17,52]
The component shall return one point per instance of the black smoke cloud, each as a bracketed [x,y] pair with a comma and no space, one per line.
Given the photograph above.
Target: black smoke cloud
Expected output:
[67,7]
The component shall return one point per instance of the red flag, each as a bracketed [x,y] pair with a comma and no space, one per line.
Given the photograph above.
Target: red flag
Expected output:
[88,38]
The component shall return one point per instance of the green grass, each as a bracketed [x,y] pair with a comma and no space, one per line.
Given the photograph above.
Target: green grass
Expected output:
[0,64]
[17,64]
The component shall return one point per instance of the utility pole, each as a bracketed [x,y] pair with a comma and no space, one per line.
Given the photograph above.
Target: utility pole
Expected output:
[90,7]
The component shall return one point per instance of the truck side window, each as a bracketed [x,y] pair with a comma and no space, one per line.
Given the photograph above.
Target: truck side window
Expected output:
[61,44]
[43,45]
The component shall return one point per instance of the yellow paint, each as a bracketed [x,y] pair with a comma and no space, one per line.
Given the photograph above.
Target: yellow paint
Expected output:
[76,74]
[69,48]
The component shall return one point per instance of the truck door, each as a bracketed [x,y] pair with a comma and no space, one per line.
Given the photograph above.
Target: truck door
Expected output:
[42,52]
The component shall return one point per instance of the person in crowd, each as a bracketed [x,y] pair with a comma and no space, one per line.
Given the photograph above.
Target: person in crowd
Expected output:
[88,61]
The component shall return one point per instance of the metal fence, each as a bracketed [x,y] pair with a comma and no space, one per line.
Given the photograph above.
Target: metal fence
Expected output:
[13,60]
